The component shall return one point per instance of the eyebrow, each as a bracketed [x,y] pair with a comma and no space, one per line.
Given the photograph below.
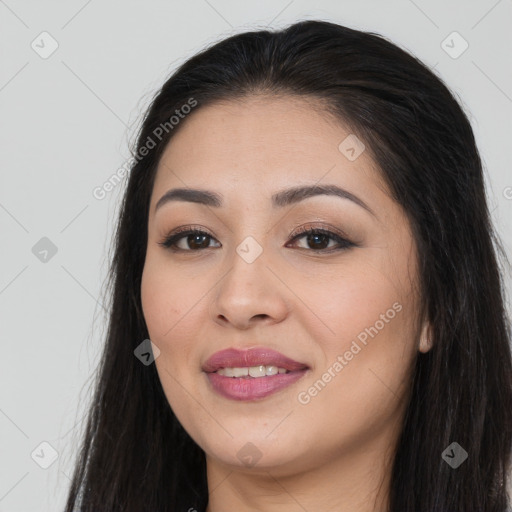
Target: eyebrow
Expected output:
[279,199]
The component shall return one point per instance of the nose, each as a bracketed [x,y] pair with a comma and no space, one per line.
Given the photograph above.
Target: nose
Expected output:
[249,294]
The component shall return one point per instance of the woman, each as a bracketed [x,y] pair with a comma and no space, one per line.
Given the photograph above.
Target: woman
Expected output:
[305,240]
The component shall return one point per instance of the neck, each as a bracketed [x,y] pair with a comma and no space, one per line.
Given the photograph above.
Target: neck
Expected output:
[353,482]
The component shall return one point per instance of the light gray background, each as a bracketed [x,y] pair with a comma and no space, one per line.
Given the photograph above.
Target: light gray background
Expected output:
[65,124]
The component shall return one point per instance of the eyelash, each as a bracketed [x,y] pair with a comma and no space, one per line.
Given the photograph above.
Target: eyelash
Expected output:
[170,241]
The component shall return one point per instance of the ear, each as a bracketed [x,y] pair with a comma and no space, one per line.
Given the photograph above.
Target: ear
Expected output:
[426,341]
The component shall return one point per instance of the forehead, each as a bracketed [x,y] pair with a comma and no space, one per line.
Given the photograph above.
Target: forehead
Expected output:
[256,145]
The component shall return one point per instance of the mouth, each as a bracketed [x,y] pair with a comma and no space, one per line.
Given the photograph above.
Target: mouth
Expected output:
[251,374]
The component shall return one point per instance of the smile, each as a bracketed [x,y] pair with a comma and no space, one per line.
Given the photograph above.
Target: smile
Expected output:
[251,374]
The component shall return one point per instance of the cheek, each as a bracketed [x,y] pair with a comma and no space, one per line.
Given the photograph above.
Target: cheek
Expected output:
[362,375]
[375,303]
[367,317]
[174,313]
[163,299]
[165,304]
[350,306]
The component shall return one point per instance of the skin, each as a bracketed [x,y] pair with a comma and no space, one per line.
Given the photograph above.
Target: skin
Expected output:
[334,452]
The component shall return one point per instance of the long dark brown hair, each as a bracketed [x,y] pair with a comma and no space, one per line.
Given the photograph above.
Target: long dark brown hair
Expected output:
[135,455]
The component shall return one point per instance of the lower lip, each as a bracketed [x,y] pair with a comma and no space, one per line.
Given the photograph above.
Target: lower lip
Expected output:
[252,388]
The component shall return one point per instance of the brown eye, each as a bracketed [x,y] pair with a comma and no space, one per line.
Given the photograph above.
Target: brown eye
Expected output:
[318,240]
[193,240]
[198,241]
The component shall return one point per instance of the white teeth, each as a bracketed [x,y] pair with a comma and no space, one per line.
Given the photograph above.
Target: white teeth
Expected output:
[257,371]
[253,371]
[272,370]
[238,372]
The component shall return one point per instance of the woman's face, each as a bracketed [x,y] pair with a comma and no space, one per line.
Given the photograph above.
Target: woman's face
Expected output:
[344,310]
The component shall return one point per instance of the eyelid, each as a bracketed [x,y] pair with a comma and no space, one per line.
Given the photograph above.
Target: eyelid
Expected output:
[190,227]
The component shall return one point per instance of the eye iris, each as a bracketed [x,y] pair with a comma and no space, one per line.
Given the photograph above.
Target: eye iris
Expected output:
[191,239]
[314,237]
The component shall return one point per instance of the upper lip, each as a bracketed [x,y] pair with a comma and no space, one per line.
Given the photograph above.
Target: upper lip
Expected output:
[235,358]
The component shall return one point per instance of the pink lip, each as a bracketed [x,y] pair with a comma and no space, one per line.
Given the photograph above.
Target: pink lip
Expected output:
[232,358]
[248,388]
